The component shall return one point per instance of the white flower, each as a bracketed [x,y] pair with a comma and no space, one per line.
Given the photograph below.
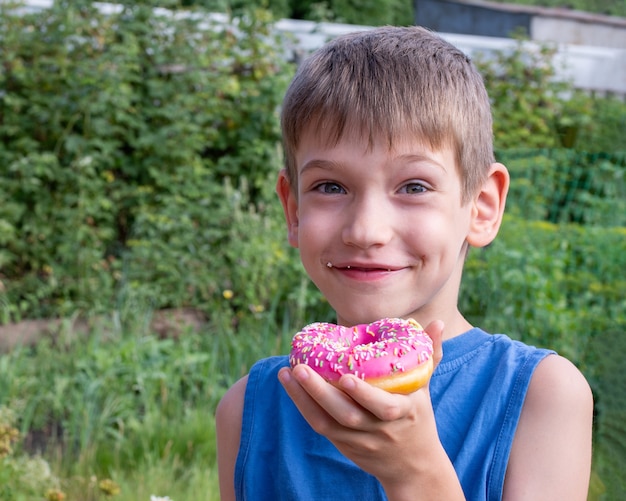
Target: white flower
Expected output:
[159,498]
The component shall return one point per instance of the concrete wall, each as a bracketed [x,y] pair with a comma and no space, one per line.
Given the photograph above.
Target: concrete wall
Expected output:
[482,18]
[578,31]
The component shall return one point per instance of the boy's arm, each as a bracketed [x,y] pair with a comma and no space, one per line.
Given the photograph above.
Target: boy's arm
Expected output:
[228,426]
[551,452]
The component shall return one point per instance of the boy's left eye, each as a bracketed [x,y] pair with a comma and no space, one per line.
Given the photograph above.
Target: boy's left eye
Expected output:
[412,188]
[331,188]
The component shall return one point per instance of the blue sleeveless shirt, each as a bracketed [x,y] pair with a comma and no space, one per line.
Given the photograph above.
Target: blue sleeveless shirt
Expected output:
[477,392]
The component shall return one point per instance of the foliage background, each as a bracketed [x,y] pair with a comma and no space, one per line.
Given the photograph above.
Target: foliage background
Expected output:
[364,12]
[138,153]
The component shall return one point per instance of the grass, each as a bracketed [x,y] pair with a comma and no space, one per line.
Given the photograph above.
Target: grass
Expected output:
[162,473]
[127,406]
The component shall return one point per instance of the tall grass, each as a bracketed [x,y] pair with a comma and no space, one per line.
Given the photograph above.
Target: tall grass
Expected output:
[125,404]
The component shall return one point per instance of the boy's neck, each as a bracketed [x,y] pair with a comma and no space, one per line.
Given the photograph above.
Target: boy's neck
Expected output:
[457,326]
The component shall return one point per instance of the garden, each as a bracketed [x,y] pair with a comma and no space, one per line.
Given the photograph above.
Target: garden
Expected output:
[140,232]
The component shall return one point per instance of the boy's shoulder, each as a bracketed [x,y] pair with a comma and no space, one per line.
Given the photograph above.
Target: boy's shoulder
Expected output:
[231,406]
[555,428]
[557,386]
[232,401]
[559,372]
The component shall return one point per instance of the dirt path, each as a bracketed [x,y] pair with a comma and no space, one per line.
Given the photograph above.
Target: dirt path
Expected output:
[165,323]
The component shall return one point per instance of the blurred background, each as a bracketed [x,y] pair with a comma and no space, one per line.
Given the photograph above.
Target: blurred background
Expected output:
[143,261]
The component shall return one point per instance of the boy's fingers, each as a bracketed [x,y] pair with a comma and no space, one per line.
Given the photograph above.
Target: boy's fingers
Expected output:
[307,406]
[382,404]
[321,404]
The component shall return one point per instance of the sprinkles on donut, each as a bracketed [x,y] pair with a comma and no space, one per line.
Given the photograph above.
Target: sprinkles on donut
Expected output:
[393,354]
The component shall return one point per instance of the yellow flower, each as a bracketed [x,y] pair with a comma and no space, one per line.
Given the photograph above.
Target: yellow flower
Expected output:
[55,495]
[228,294]
[108,487]
[8,436]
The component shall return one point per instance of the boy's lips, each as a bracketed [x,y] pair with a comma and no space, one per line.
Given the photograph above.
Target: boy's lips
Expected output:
[364,267]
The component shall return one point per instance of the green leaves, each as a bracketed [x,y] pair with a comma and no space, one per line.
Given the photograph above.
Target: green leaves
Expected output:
[113,123]
[564,185]
[534,109]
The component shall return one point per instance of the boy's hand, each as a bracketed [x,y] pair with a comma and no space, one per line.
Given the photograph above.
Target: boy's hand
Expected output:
[391,436]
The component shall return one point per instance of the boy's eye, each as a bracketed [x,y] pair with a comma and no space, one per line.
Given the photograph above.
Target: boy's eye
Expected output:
[331,188]
[413,188]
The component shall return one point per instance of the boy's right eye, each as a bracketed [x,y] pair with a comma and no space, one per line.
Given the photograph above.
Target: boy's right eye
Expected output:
[330,188]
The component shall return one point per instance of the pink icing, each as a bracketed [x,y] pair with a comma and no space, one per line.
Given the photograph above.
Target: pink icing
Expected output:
[373,350]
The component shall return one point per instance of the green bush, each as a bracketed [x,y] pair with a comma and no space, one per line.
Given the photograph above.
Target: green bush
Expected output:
[110,121]
[372,12]
[531,108]
[353,12]
[563,185]
[211,247]
[606,133]
[133,144]
[557,285]
[534,110]
[364,12]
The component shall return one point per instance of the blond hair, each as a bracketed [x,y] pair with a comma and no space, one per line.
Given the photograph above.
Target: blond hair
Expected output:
[392,82]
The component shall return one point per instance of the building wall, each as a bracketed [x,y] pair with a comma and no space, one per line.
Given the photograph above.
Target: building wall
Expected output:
[470,19]
[578,32]
[591,48]
[476,17]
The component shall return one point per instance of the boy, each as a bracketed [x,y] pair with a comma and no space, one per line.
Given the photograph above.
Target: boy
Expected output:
[389,179]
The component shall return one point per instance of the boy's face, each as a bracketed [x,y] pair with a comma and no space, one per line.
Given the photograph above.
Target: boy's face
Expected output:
[382,233]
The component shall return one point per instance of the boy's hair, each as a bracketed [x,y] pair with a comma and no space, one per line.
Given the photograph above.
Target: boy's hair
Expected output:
[392,83]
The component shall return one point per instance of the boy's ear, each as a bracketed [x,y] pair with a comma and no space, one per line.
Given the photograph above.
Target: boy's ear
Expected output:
[488,207]
[288,199]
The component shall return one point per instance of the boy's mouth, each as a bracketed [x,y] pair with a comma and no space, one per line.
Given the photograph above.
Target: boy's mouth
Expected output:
[361,268]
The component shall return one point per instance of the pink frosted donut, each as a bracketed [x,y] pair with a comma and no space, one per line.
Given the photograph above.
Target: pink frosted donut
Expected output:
[392,353]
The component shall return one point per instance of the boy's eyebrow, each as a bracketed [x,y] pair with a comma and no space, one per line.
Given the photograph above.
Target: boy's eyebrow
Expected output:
[418,157]
[318,163]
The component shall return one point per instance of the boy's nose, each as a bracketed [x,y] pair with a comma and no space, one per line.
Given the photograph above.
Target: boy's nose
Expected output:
[368,223]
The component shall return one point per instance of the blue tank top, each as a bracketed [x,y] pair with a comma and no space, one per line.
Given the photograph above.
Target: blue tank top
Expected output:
[477,392]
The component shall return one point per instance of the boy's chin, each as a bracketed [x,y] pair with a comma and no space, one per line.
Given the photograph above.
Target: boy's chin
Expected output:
[350,317]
